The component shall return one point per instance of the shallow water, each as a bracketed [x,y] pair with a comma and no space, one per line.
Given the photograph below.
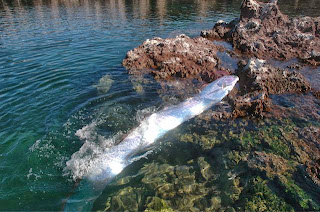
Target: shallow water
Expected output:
[62,84]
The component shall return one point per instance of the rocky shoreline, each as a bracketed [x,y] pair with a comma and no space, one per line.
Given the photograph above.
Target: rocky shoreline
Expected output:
[264,139]
[262,33]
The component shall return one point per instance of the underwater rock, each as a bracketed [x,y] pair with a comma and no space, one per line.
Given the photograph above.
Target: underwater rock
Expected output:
[266,164]
[176,57]
[305,107]
[157,204]
[175,188]
[282,101]
[259,191]
[104,84]
[264,32]
[125,199]
[176,185]
[205,168]
[270,163]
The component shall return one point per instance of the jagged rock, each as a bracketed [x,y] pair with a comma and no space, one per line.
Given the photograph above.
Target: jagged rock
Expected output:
[251,104]
[257,75]
[263,31]
[316,93]
[313,170]
[176,57]
[257,81]
[309,151]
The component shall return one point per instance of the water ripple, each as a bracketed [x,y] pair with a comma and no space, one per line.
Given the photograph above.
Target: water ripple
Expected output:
[52,53]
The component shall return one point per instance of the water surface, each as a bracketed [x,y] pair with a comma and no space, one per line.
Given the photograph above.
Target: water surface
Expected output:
[62,84]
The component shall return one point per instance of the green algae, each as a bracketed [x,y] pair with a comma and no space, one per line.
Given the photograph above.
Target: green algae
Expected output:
[244,165]
[261,198]
[297,195]
[157,204]
[205,141]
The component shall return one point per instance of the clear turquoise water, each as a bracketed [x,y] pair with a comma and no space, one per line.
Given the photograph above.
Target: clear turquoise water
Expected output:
[52,56]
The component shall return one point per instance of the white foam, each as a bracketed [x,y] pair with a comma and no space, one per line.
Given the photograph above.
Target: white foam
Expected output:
[87,132]
[92,158]
[142,114]
[89,156]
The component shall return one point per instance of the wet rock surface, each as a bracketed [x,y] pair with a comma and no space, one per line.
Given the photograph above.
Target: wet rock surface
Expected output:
[264,32]
[176,57]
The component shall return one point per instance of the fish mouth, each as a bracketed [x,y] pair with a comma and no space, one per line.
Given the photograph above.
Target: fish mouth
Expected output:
[228,81]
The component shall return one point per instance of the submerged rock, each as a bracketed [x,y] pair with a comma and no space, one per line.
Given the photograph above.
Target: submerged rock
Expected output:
[270,163]
[104,84]
[176,57]
[253,165]
[263,31]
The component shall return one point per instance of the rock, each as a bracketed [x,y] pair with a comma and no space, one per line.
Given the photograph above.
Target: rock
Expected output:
[125,198]
[313,170]
[270,163]
[263,31]
[221,30]
[205,168]
[316,93]
[104,84]
[257,81]
[251,104]
[178,190]
[257,75]
[309,151]
[216,203]
[176,57]
[157,204]
[296,66]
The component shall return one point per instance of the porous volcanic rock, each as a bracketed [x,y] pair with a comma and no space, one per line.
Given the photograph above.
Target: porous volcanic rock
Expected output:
[316,93]
[263,31]
[176,57]
[258,80]
[258,75]
[250,104]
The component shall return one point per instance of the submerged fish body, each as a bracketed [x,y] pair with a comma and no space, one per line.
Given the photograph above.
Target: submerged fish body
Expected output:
[152,128]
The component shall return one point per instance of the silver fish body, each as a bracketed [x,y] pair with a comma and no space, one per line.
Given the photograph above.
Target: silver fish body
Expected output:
[152,128]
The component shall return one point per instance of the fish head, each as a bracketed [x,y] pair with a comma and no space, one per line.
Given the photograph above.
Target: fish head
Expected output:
[219,88]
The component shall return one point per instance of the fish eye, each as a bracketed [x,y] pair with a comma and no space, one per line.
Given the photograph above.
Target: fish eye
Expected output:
[222,84]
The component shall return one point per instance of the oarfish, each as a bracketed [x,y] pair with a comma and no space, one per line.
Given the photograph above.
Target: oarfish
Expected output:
[152,128]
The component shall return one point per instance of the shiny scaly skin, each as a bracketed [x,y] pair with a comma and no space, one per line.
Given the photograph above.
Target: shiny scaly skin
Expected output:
[151,129]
